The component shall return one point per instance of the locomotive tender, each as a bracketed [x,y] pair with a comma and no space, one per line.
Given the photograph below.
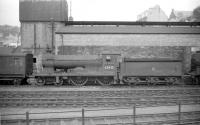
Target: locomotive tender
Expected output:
[151,71]
[15,67]
[105,69]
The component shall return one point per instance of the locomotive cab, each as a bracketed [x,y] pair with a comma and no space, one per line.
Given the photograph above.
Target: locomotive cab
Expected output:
[110,61]
[195,67]
[111,65]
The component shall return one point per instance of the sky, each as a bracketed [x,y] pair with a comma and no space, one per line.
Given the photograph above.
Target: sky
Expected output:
[101,10]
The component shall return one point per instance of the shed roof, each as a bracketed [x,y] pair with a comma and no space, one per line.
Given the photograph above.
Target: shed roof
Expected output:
[43,10]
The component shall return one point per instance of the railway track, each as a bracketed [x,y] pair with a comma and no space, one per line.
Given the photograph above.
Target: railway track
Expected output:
[98,101]
[99,98]
[23,93]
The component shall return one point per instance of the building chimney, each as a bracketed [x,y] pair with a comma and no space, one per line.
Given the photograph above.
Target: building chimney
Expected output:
[70,14]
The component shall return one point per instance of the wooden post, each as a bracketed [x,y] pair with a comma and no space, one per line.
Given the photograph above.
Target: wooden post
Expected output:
[83,117]
[27,118]
[179,112]
[134,115]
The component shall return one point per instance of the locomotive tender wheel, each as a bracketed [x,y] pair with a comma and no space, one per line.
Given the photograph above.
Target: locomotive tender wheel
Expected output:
[17,82]
[132,83]
[61,81]
[154,81]
[31,81]
[40,81]
[172,81]
[105,80]
[149,83]
[78,80]
[169,83]
[197,80]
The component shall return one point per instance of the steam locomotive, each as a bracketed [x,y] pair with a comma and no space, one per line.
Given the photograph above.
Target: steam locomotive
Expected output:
[105,69]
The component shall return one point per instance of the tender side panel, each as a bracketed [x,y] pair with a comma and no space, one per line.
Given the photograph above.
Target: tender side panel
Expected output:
[151,68]
[12,65]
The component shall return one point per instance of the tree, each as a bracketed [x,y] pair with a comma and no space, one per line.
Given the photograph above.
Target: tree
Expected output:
[196,14]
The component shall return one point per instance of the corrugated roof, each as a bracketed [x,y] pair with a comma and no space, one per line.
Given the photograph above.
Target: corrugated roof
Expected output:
[127,30]
[43,10]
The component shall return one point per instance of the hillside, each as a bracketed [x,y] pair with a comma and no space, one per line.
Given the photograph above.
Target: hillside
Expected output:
[9,35]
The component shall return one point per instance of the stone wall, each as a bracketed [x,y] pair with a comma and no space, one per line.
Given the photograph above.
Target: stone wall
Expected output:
[175,52]
[129,40]
[36,37]
[131,51]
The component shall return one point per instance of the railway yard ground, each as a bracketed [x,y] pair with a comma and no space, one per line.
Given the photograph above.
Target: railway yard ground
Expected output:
[95,105]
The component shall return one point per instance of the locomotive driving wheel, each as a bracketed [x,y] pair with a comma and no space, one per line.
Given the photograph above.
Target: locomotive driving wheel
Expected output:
[78,80]
[105,80]
[172,81]
[197,80]
[40,81]
[61,81]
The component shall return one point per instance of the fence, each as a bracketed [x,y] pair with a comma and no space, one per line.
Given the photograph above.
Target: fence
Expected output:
[83,116]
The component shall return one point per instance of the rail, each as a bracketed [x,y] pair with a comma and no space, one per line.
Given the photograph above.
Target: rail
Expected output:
[81,115]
